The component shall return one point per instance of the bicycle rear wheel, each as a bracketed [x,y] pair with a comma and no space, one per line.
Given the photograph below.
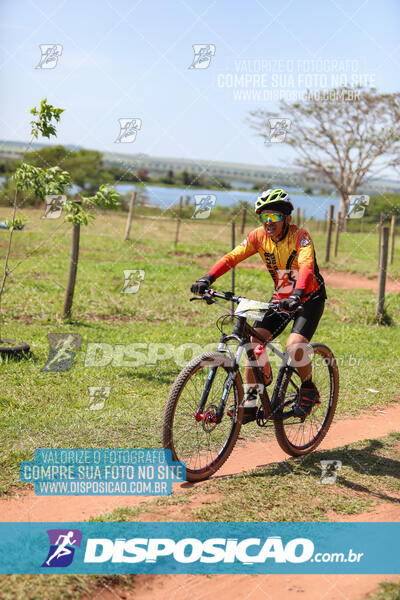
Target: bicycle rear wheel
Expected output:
[202,444]
[300,436]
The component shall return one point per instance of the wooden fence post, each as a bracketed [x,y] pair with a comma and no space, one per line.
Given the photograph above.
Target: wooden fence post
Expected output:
[380,238]
[337,229]
[325,220]
[382,272]
[178,220]
[298,217]
[392,237]
[130,215]
[329,234]
[73,267]
[244,214]
[303,217]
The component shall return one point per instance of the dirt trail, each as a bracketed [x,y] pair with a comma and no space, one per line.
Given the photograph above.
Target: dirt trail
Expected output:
[250,587]
[350,281]
[28,507]
[343,280]
[263,587]
[373,424]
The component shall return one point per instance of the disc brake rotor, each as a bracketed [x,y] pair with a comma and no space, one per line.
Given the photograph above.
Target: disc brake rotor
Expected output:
[209,419]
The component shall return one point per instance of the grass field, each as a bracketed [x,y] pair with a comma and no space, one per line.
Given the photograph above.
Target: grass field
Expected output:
[50,409]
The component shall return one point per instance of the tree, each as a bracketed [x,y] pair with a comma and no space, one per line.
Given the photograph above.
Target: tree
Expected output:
[388,204]
[347,136]
[169,178]
[142,174]
[53,181]
[85,166]
[186,178]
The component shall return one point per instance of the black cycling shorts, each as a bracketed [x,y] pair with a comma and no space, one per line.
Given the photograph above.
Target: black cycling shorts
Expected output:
[305,323]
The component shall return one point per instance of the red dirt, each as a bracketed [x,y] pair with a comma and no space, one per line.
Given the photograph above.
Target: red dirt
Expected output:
[250,587]
[263,587]
[351,281]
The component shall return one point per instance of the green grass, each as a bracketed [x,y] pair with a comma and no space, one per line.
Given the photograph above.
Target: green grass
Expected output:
[50,410]
[357,253]
[43,409]
[388,591]
[291,490]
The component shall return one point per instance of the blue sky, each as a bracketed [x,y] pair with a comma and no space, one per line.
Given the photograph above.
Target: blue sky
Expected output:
[130,59]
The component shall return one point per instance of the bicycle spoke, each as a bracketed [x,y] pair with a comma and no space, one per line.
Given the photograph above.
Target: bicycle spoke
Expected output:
[302,433]
[196,442]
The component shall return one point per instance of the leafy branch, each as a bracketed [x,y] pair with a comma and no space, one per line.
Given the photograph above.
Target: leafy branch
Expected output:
[43,123]
[51,181]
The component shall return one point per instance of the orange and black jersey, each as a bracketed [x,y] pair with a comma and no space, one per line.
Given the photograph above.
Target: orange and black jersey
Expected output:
[291,262]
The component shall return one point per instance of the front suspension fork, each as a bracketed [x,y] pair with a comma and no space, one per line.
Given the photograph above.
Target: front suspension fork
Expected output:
[199,414]
[215,416]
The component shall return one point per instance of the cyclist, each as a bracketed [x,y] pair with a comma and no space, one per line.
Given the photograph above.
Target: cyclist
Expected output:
[288,254]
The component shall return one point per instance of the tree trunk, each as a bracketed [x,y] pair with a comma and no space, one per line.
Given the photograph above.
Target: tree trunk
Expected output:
[73,267]
[130,215]
[344,202]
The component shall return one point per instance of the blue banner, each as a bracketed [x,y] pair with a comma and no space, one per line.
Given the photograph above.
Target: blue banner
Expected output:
[213,548]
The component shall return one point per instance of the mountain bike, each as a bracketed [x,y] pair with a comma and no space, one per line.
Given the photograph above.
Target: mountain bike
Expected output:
[196,427]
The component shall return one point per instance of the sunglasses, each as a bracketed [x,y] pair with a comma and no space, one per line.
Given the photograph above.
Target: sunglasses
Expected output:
[272,217]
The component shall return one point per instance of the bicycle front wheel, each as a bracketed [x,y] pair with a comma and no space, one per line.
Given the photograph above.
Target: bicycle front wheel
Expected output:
[203,445]
[300,436]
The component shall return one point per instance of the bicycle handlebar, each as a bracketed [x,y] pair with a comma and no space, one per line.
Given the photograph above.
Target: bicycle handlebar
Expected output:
[210,294]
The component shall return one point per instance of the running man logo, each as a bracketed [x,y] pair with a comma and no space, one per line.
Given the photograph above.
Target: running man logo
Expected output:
[330,470]
[202,56]
[278,130]
[62,351]
[128,129]
[357,206]
[62,550]
[204,203]
[50,54]
[54,206]
[98,397]
[132,280]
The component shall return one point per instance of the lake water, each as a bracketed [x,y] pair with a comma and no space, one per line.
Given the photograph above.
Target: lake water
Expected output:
[314,206]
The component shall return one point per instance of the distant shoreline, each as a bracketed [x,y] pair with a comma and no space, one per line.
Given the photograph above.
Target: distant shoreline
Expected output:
[217,188]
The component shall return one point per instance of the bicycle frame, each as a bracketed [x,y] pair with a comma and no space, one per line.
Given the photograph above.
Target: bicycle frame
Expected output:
[242,333]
